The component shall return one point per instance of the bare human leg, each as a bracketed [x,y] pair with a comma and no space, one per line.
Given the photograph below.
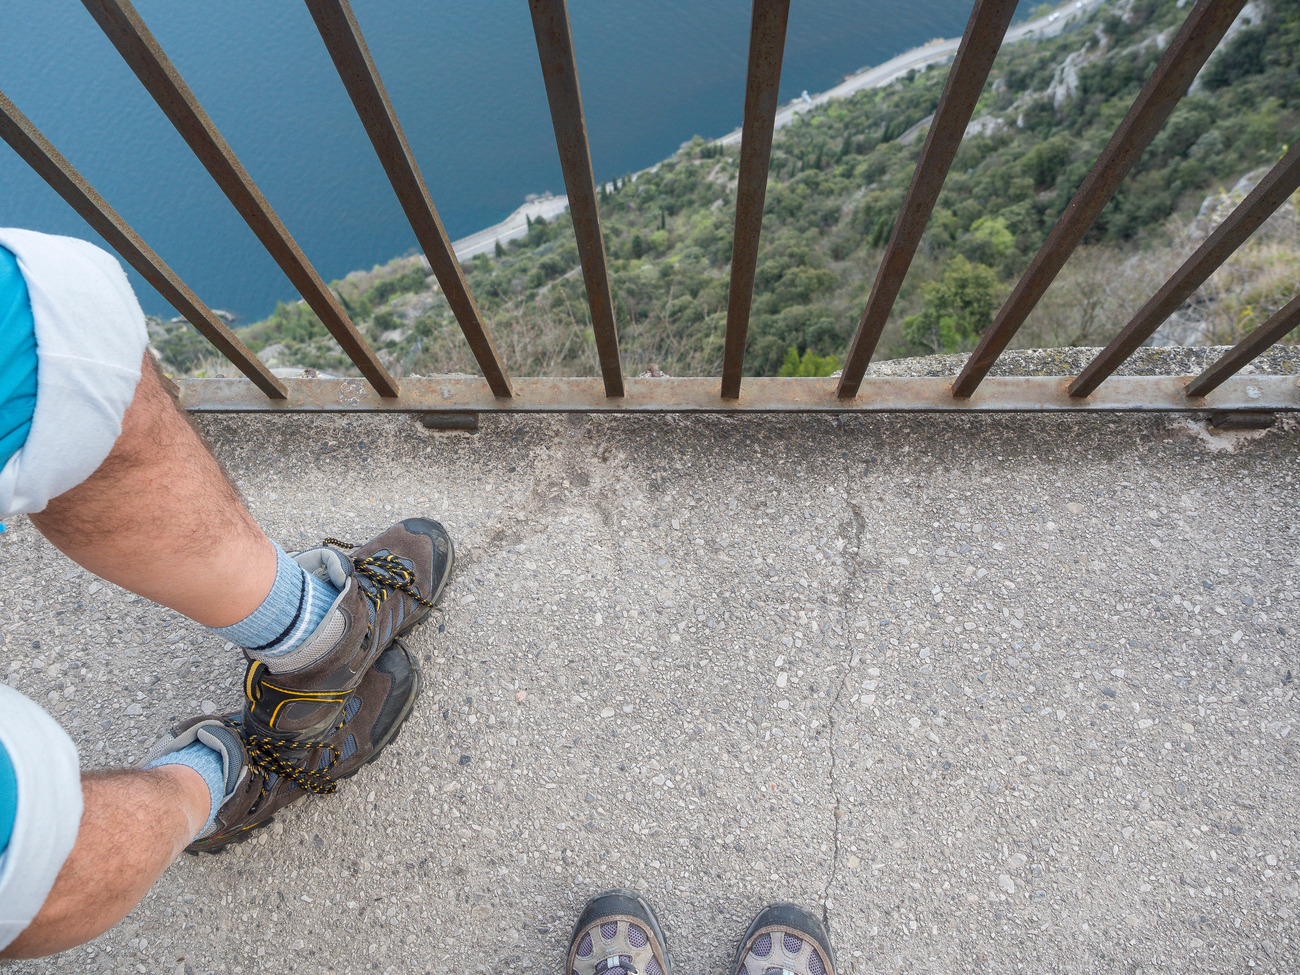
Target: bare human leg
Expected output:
[134,825]
[160,518]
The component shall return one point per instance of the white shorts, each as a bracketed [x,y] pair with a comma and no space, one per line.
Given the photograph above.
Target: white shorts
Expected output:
[49,809]
[90,341]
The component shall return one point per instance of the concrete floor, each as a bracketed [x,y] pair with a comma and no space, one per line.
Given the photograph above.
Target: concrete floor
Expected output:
[991,692]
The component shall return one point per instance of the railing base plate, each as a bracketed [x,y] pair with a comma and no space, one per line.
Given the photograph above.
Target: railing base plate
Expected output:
[879,394]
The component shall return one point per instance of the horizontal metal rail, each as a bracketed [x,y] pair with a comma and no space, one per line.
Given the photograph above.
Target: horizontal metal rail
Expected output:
[347,47]
[560,72]
[1252,346]
[1195,41]
[50,164]
[140,49]
[970,69]
[762,81]
[1258,206]
[445,394]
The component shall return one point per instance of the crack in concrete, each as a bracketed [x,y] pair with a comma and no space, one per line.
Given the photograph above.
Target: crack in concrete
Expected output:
[837,813]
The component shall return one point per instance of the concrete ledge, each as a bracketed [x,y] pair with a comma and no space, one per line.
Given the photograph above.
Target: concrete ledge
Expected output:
[1280,360]
[1026,381]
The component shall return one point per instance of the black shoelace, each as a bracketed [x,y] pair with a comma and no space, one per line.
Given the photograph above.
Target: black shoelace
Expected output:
[386,574]
[266,757]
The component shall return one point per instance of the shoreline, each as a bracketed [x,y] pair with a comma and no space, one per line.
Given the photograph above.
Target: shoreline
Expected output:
[919,58]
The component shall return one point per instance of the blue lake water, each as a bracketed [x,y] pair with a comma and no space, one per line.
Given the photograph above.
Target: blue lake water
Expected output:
[467,87]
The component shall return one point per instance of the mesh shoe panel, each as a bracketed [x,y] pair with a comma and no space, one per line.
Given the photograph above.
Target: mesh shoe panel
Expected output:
[652,968]
[327,638]
[635,936]
[815,965]
[352,707]
[763,946]
[608,930]
[584,947]
[792,944]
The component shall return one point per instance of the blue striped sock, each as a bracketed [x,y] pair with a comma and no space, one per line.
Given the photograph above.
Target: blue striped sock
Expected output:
[207,762]
[292,610]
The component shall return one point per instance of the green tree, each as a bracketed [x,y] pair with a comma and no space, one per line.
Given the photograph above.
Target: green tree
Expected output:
[405,283]
[955,310]
[810,364]
[989,241]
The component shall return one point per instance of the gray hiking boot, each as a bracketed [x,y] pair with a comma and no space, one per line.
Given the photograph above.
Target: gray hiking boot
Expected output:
[618,934]
[784,939]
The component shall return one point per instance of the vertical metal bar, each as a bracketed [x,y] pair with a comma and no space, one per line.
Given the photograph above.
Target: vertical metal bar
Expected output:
[140,49]
[347,47]
[1248,348]
[1194,43]
[970,69]
[560,71]
[1281,181]
[34,149]
[766,50]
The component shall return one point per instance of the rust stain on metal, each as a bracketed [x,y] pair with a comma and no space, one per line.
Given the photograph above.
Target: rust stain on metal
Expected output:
[970,69]
[761,395]
[1195,41]
[1258,341]
[140,49]
[1281,181]
[762,81]
[35,150]
[560,72]
[347,47]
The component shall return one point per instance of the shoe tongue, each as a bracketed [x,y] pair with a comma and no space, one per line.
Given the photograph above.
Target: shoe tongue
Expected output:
[225,741]
[325,563]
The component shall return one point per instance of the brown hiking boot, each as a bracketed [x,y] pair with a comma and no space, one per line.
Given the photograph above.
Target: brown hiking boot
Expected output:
[387,587]
[263,776]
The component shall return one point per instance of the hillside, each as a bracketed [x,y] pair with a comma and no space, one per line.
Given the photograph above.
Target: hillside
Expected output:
[838,178]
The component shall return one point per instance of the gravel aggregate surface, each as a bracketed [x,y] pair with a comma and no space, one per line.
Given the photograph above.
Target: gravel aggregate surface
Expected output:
[992,693]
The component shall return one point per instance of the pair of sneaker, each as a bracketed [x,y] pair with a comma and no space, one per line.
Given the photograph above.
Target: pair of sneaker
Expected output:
[303,731]
[619,934]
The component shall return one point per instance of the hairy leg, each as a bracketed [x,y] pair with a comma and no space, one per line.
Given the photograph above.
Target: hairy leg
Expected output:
[134,825]
[160,518]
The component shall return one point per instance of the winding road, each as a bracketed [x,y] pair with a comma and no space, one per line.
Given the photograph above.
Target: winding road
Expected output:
[935,52]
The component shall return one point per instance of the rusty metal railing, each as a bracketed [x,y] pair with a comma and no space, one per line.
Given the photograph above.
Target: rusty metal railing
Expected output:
[1096,388]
